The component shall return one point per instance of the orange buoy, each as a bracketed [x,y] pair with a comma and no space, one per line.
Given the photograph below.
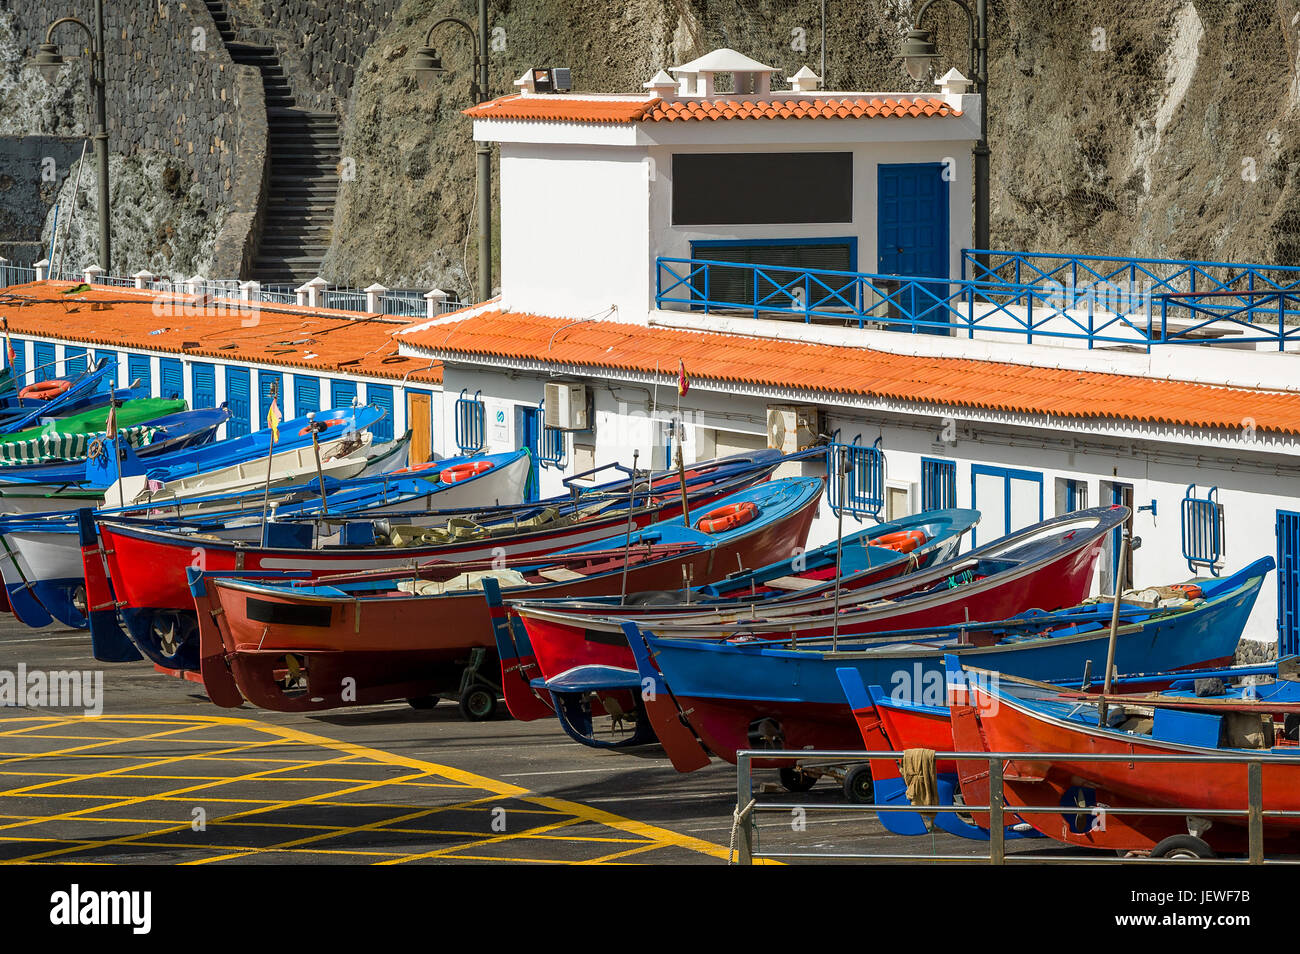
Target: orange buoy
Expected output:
[463,471]
[1189,590]
[44,390]
[904,541]
[322,425]
[728,517]
[416,468]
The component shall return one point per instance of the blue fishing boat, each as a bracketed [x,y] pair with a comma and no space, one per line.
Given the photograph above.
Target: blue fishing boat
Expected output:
[745,691]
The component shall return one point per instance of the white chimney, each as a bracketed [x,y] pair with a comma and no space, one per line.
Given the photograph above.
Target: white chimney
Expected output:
[661,85]
[805,81]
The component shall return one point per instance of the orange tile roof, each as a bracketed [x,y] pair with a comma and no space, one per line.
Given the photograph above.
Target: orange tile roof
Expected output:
[343,341]
[577,110]
[954,382]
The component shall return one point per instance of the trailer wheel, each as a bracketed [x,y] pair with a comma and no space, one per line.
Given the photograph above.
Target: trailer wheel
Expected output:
[1182,847]
[859,788]
[796,779]
[478,704]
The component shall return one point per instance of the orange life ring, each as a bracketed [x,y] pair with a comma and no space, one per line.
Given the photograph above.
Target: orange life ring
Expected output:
[728,517]
[463,471]
[44,390]
[415,468]
[904,541]
[323,425]
[1189,590]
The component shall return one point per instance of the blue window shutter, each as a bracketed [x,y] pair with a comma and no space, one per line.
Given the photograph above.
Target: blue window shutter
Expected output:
[43,366]
[264,381]
[171,378]
[342,393]
[74,360]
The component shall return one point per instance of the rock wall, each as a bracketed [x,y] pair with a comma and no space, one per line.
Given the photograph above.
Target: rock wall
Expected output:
[173,93]
[32,168]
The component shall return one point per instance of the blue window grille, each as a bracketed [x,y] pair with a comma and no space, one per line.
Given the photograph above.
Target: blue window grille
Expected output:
[552,449]
[381,395]
[863,493]
[1202,529]
[471,422]
[938,484]
[1288,583]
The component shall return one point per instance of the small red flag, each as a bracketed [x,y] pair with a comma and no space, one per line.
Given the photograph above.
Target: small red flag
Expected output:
[683,382]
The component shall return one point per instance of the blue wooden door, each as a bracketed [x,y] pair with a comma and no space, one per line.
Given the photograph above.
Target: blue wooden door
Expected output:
[137,369]
[528,425]
[171,378]
[381,395]
[264,381]
[238,399]
[43,369]
[306,394]
[1288,582]
[203,384]
[74,360]
[912,236]
[342,393]
[109,381]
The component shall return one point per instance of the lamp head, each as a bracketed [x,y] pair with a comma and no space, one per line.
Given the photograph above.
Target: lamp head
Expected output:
[49,62]
[426,65]
[919,53]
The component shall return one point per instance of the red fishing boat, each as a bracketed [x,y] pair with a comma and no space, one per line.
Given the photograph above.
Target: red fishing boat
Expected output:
[147,563]
[1069,800]
[363,638]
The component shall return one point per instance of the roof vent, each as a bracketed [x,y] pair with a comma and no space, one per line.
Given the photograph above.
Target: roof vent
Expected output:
[805,81]
[751,77]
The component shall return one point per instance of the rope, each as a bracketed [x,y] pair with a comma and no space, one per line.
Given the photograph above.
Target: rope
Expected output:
[739,816]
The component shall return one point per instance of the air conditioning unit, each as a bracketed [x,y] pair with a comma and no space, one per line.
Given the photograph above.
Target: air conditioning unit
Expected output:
[565,407]
[793,427]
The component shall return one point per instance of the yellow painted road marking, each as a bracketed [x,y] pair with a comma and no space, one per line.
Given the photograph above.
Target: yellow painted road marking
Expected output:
[631,839]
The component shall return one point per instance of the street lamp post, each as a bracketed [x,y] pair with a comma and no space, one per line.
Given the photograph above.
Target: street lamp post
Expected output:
[49,62]
[426,65]
[919,51]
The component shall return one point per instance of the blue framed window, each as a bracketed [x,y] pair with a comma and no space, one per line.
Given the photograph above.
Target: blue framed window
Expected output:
[1288,583]
[239,400]
[1076,495]
[775,279]
[203,385]
[861,492]
[1007,499]
[938,483]
[74,360]
[306,394]
[471,422]
[342,393]
[264,381]
[171,378]
[381,395]
[139,368]
[109,381]
[1202,529]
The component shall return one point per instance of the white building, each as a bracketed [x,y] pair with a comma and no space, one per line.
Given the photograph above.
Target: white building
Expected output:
[1058,382]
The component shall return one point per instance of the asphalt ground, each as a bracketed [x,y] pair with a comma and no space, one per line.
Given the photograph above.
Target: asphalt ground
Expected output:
[163,776]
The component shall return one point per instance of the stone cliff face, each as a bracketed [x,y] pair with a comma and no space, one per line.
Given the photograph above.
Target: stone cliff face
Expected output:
[1167,128]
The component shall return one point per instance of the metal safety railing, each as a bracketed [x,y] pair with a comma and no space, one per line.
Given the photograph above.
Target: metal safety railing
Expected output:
[1010,300]
[471,420]
[745,832]
[861,493]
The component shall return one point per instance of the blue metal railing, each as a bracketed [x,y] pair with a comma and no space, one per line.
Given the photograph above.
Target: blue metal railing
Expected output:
[1033,303]
[471,419]
[863,492]
[938,484]
[1202,530]
[1288,583]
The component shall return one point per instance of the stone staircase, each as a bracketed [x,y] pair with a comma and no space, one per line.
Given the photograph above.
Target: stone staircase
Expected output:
[304,154]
